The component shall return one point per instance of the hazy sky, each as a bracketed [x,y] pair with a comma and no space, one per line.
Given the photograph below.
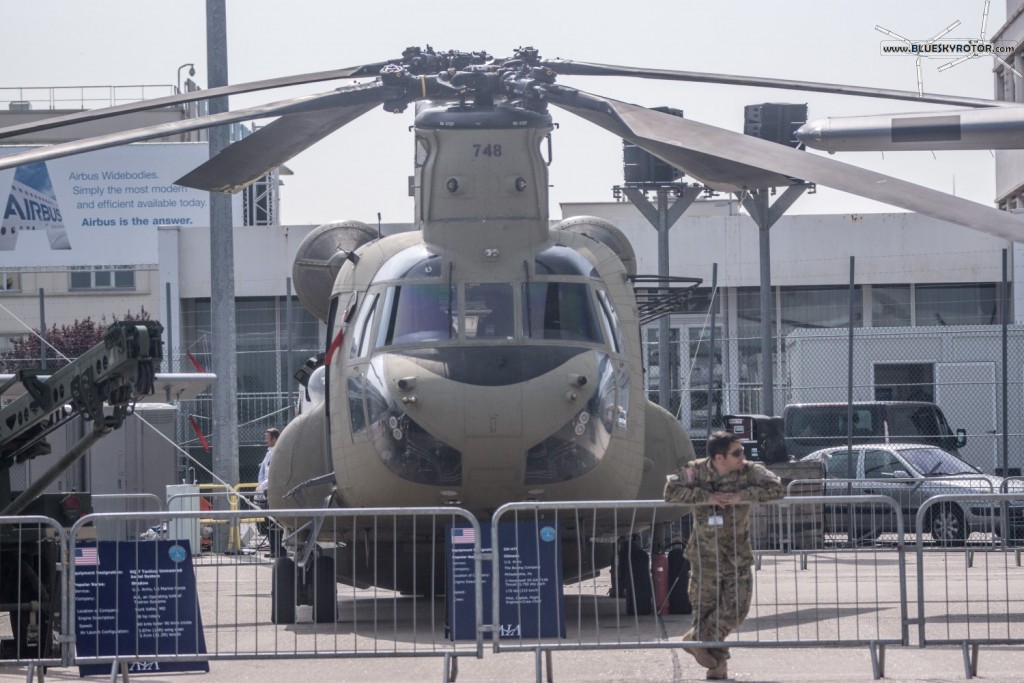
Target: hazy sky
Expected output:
[363,169]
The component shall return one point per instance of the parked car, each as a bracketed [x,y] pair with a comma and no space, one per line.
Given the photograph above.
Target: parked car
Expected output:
[910,474]
[809,427]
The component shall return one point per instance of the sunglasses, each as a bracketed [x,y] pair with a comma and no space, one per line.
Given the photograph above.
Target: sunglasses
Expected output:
[736,453]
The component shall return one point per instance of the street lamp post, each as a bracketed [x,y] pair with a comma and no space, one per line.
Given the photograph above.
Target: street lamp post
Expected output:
[191,72]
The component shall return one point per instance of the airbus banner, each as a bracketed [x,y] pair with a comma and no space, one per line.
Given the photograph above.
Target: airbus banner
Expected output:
[100,207]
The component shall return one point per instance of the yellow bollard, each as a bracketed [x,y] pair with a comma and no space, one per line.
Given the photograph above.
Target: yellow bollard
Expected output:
[234,532]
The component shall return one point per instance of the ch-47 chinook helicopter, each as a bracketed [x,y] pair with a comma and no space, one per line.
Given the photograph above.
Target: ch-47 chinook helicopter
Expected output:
[488,357]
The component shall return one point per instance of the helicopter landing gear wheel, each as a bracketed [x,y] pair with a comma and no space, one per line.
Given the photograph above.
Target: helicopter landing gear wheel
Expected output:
[634,577]
[282,591]
[325,590]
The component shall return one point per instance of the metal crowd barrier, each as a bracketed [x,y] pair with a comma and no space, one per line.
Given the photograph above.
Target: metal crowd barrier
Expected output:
[821,579]
[384,609]
[1014,484]
[240,537]
[815,598]
[981,597]
[125,502]
[32,551]
[908,493]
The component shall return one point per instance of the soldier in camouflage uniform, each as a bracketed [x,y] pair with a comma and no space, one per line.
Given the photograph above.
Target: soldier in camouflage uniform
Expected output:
[721,487]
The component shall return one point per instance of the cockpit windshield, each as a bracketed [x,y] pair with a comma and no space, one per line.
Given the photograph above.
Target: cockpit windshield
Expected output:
[425,312]
[418,313]
[490,311]
[559,310]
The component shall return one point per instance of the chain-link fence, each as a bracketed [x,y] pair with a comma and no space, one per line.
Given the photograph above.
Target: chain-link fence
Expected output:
[925,363]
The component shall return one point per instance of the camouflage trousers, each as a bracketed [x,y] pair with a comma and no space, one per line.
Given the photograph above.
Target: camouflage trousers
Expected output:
[720,596]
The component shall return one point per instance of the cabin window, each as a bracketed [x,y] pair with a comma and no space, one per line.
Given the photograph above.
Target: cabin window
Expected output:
[490,312]
[418,313]
[559,310]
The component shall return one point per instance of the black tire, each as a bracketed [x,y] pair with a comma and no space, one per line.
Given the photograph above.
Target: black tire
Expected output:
[282,592]
[325,590]
[637,580]
[947,527]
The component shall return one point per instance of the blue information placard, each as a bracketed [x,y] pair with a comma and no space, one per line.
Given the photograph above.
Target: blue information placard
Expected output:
[137,598]
[532,600]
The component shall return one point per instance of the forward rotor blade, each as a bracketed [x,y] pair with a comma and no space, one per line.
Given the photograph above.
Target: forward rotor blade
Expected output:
[565,67]
[677,140]
[370,93]
[254,156]
[364,71]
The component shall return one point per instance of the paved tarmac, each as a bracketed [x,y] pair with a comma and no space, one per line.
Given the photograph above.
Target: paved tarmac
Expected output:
[621,666]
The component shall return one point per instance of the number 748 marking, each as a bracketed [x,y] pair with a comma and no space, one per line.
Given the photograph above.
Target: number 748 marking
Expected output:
[489,150]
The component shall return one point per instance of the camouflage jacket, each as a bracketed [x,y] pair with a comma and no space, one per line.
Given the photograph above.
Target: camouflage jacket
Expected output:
[721,533]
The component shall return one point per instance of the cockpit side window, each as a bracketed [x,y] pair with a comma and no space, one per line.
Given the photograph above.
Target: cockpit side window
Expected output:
[417,313]
[361,330]
[490,311]
[610,321]
[559,310]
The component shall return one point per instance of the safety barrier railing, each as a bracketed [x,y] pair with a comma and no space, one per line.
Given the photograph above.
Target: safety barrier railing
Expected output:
[32,553]
[908,493]
[243,537]
[817,598]
[1014,484]
[972,594]
[348,588]
[368,583]
[125,502]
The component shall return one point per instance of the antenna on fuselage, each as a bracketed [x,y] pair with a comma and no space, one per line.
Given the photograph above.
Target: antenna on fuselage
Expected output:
[378,225]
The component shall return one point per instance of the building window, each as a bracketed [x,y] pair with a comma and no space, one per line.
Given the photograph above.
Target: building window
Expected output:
[103,278]
[904,382]
[816,307]
[891,306]
[10,281]
[262,342]
[960,304]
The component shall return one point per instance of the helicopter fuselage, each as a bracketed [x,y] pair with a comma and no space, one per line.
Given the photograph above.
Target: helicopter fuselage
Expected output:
[485,358]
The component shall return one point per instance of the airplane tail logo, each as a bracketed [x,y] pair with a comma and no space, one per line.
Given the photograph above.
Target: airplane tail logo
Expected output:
[32,205]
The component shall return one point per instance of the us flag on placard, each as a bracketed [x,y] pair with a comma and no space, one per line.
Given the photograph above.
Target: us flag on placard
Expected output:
[466,534]
[86,557]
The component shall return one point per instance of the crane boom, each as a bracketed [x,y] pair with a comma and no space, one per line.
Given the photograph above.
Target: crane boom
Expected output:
[115,372]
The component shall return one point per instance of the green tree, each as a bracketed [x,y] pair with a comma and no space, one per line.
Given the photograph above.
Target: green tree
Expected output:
[70,341]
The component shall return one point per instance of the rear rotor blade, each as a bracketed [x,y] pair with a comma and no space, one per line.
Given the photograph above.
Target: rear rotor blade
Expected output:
[369,93]
[676,140]
[571,68]
[193,96]
[254,156]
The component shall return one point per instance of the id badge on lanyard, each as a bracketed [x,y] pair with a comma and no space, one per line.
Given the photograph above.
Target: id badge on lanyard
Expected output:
[715,519]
